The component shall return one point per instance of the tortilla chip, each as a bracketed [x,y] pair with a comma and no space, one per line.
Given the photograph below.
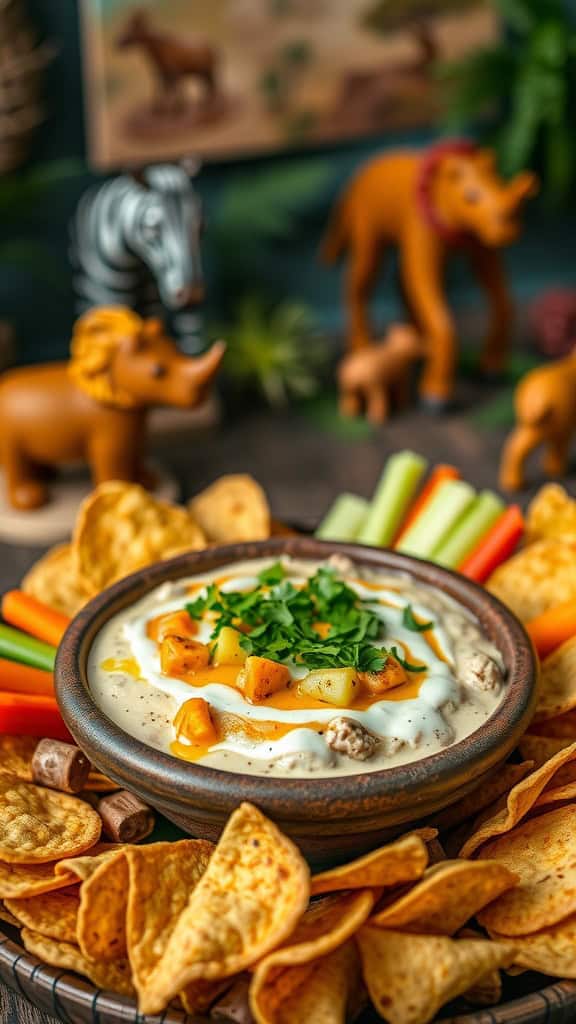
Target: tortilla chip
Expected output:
[199,995]
[248,901]
[81,868]
[53,914]
[551,950]
[161,878]
[38,825]
[520,799]
[18,881]
[102,914]
[324,992]
[410,977]
[500,782]
[401,861]
[6,916]
[233,508]
[556,795]
[551,513]
[537,578]
[112,977]
[563,727]
[16,753]
[542,852]
[54,580]
[122,528]
[448,896]
[327,924]
[487,991]
[557,690]
[541,748]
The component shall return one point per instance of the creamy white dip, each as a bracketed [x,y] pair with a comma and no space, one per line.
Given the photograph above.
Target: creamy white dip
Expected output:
[459,689]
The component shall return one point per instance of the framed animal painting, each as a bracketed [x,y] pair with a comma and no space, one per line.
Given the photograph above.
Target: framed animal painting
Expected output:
[227,78]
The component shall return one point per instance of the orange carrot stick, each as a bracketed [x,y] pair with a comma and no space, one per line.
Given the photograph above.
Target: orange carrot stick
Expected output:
[553,627]
[439,475]
[495,547]
[34,617]
[18,678]
[24,715]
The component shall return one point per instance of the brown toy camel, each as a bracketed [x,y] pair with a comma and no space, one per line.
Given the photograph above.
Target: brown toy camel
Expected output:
[171,58]
[429,204]
[545,414]
[94,407]
[376,376]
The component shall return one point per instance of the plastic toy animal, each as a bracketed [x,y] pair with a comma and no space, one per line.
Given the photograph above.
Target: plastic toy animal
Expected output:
[171,58]
[136,243]
[94,407]
[545,414]
[374,377]
[447,199]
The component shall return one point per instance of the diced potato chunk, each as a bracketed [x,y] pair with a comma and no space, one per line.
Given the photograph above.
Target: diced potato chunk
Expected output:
[261,677]
[173,624]
[193,722]
[227,650]
[180,655]
[393,674]
[336,686]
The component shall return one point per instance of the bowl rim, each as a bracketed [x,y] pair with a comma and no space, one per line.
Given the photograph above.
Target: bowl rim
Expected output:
[216,790]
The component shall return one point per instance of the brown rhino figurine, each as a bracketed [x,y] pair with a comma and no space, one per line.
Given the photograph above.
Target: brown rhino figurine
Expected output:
[446,199]
[372,378]
[94,407]
[545,415]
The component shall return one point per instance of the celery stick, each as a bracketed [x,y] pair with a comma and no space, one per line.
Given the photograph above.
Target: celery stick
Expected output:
[344,519]
[445,507]
[469,530]
[18,646]
[393,494]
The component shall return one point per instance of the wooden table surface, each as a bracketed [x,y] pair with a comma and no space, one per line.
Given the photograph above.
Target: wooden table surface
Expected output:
[302,467]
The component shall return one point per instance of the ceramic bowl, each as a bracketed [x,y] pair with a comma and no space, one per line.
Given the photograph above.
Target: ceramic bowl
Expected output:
[331,819]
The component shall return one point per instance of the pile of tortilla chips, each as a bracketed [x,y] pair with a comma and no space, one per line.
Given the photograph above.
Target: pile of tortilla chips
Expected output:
[240,931]
[121,528]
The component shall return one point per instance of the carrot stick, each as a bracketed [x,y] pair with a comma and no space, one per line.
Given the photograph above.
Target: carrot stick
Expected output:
[34,617]
[18,678]
[438,476]
[26,715]
[553,627]
[495,547]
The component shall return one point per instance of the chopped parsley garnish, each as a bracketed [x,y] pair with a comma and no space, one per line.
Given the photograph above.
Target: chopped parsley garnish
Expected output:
[410,622]
[406,665]
[282,619]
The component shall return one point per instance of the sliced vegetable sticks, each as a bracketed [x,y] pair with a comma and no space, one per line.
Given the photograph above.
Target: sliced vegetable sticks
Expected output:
[436,520]
[553,628]
[16,646]
[468,531]
[344,519]
[495,547]
[18,678]
[26,715]
[437,477]
[37,619]
[394,493]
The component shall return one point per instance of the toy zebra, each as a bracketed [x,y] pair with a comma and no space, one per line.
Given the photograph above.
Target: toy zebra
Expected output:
[136,243]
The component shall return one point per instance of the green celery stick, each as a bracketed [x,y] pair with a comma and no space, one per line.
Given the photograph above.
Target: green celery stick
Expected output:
[443,510]
[400,478]
[17,646]
[344,519]
[469,530]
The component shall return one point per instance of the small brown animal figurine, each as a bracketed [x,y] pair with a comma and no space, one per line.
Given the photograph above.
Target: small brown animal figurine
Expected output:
[94,407]
[374,377]
[545,414]
[449,198]
[172,59]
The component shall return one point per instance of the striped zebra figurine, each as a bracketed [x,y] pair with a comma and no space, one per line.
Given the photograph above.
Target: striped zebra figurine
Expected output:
[136,243]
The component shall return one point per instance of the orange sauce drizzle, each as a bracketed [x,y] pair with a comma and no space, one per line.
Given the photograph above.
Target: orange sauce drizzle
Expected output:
[230,725]
[127,665]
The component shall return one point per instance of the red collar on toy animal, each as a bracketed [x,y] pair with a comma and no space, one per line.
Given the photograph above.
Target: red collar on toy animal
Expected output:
[428,165]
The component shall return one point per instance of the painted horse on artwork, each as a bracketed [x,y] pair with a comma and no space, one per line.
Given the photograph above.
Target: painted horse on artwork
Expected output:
[447,199]
[136,243]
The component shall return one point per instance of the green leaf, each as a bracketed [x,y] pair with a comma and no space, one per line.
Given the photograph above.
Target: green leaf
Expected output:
[408,666]
[273,574]
[411,623]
